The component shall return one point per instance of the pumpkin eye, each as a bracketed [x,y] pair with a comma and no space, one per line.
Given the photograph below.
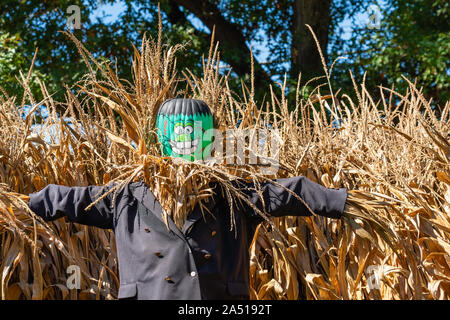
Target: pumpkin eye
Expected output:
[179,130]
[188,129]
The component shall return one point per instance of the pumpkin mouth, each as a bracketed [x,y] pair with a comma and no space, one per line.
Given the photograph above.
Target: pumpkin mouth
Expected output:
[184,147]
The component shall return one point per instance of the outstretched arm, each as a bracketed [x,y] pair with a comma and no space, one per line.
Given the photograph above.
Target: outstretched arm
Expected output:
[278,201]
[55,201]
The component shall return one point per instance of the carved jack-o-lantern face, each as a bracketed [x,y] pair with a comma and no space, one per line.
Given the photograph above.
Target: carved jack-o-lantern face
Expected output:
[181,126]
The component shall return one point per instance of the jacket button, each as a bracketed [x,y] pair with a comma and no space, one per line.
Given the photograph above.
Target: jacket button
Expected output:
[168,279]
[207,256]
[158,254]
[147,230]
[213,233]
[193,273]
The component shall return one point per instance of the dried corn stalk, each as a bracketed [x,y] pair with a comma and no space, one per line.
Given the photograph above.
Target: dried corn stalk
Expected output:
[392,243]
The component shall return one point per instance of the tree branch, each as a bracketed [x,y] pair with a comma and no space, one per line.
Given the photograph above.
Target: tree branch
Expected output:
[234,49]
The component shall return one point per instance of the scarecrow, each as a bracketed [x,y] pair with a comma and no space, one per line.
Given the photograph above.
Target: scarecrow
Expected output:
[201,258]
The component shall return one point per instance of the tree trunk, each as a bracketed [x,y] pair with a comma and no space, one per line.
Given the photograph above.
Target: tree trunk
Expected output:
[305,57]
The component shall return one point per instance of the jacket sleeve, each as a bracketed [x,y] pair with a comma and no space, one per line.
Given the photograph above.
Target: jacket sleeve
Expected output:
[56,201]
[278,201]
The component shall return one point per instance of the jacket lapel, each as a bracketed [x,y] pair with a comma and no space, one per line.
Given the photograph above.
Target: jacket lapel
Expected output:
[143,194]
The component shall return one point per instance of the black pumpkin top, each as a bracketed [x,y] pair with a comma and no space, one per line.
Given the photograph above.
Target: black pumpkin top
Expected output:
[184,106]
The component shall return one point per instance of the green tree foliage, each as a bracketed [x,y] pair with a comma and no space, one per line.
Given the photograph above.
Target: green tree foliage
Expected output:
[39,24]
[413,39]
[12,62]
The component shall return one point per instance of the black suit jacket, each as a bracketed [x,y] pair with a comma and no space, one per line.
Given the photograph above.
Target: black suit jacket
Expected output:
[203,260]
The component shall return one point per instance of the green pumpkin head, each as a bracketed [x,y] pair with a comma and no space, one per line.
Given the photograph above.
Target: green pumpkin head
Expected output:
[181,126]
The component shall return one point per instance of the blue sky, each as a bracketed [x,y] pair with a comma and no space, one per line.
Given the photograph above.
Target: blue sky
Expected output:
[109,12]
